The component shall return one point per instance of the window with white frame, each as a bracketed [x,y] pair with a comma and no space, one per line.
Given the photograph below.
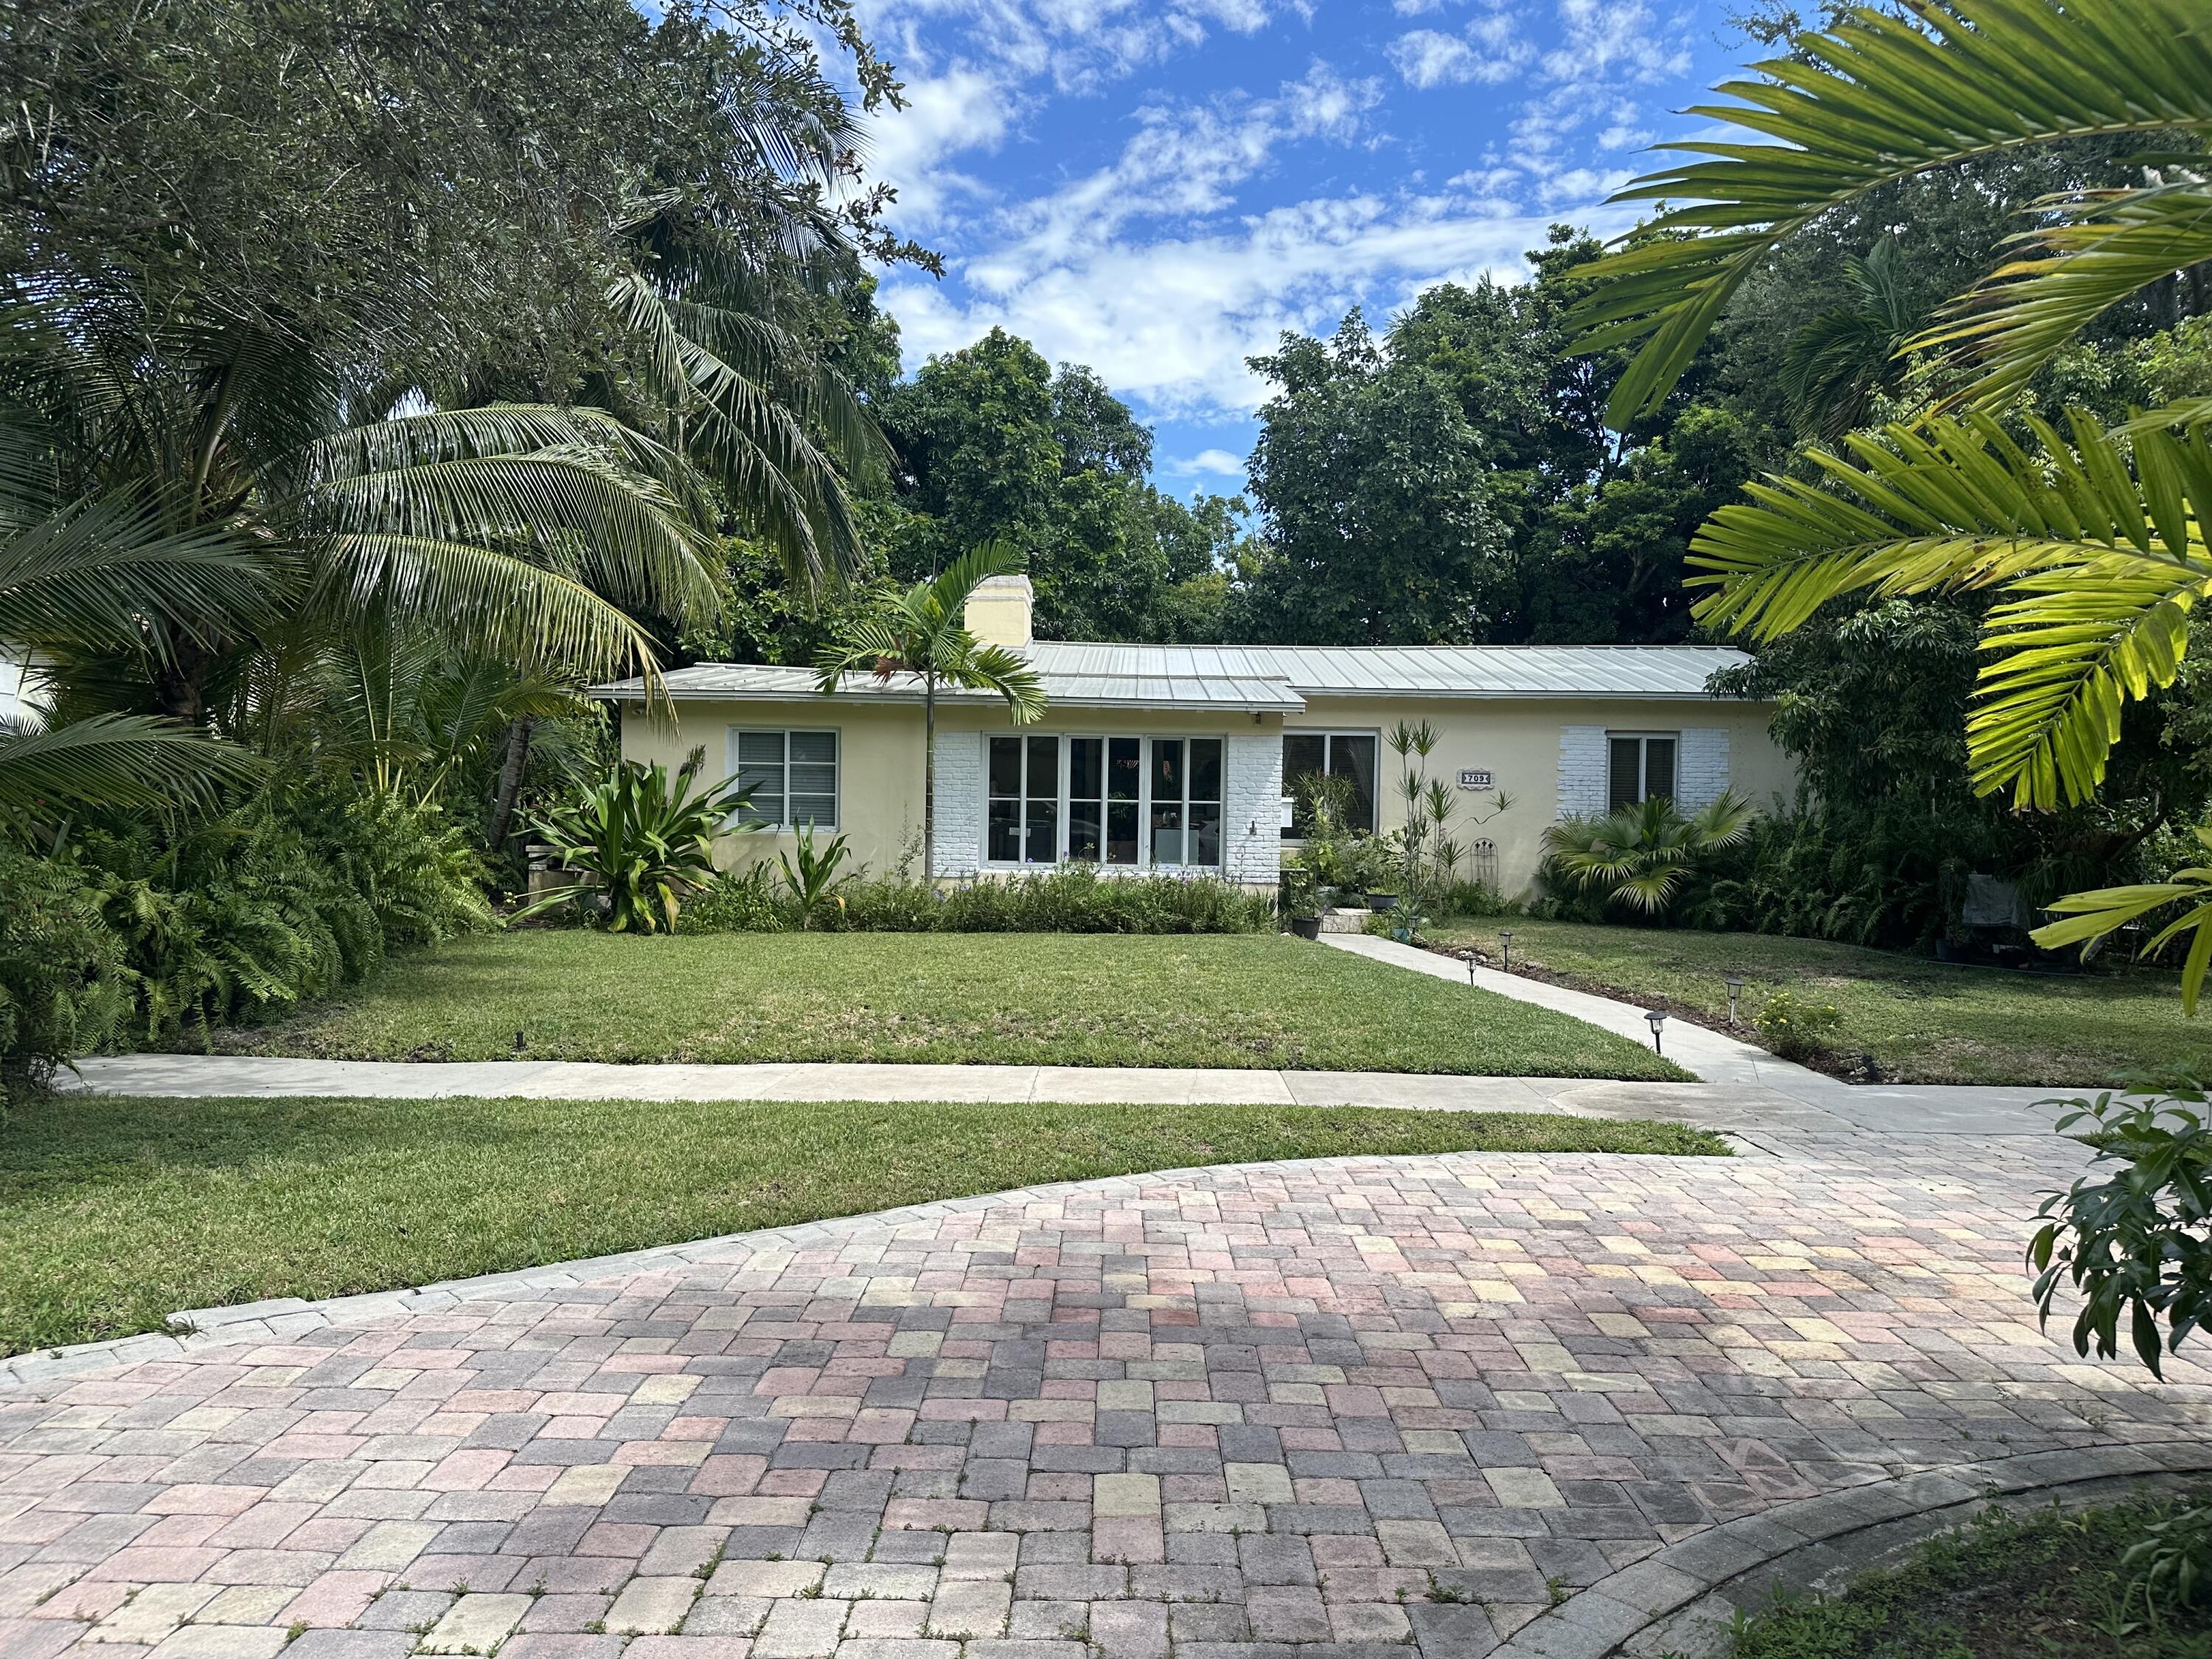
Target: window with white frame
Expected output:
[1349,756]
[1134,802]
[1639,767]
[792,776]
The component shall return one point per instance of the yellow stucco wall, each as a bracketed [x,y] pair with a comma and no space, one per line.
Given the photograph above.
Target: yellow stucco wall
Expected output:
[878,773]
[1518,743]
[880,750]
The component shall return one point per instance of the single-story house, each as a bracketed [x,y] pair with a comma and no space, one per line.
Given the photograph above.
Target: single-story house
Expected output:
[1181,758]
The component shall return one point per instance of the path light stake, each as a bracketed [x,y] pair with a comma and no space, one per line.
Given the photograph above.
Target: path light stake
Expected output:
[1656,1020]
[1735,990]
[1470,967]
[1505,945]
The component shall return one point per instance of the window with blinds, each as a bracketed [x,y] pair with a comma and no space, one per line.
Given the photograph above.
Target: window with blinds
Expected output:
[792,776]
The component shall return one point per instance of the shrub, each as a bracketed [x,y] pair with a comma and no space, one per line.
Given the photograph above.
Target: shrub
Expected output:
[64,989]
[1072,899]
[1795,1029]
[735,901]
[1475,898]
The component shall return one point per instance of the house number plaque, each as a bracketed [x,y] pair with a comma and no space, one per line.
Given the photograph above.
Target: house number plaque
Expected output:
[1473,777]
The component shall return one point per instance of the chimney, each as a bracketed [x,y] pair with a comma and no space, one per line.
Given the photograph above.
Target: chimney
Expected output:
[999,611]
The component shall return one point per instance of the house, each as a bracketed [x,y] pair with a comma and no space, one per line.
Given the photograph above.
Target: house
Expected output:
[1179,757]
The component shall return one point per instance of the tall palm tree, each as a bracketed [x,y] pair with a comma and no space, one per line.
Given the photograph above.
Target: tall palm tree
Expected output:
[2096,539]
[922,633]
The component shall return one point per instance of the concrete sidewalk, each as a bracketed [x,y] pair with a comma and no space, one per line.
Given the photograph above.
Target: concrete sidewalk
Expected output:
[1745,1108]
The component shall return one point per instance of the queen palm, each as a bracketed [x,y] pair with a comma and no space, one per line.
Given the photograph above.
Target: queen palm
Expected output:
[921,635]
[2094,540]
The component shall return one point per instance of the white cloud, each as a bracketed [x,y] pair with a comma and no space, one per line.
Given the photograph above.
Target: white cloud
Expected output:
[964,110]
[1206,463]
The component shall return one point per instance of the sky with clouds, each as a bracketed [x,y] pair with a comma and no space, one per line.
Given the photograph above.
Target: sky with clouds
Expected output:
[1158,188]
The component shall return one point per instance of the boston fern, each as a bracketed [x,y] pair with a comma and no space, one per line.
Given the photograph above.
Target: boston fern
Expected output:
[640,842]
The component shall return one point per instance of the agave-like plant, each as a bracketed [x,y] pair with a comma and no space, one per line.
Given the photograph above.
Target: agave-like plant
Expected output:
[1639,856]
[2095,538]
[641,842]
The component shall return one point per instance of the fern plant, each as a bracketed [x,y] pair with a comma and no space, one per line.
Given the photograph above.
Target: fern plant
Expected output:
[1637,857]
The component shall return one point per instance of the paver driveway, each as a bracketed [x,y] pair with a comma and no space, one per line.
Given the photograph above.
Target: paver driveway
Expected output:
[1351,1403]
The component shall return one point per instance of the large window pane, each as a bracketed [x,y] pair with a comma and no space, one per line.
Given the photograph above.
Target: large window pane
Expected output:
[1043,781]
[1353,758]
[760,768]
[1659,767]
[1044,831]
[1125,771]
[1304,756]
[812,778]
[1205,834]
[1120,832]
[1004,842]
[1086,768]
[1625,773]
[1086,783]
[1167,832]
[1205,768]
[1005,767]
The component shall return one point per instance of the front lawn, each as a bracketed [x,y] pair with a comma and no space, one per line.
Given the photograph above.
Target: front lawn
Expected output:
[115,1212]
[1012,999]
[1921,1020]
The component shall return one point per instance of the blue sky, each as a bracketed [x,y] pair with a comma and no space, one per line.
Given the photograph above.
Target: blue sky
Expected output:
[1157,188]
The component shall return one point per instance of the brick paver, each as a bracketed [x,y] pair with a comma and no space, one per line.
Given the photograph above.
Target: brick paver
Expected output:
[1348,1405]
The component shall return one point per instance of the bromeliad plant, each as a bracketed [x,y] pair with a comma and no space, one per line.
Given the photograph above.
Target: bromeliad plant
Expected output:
[640,841]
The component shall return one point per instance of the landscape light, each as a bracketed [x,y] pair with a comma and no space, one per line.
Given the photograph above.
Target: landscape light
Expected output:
[1505,945]
[1655,1019]
[1735,989]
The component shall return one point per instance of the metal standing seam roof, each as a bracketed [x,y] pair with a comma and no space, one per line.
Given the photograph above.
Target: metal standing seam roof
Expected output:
[1269,679]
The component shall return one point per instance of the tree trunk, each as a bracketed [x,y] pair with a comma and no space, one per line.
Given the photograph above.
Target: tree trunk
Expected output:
[929,782]
[510,783]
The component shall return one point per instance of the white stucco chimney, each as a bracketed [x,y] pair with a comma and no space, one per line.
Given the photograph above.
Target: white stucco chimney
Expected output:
[999,611]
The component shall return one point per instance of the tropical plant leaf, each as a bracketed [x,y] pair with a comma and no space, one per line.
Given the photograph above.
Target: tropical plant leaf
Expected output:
[2100,249]
[115,760]
[2102,568]
[1880,99]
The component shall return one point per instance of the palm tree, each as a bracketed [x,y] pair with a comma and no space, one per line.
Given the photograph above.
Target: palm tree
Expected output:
[2095,539]
[922,633]
[1638,855]
[83,576]
[1841,361]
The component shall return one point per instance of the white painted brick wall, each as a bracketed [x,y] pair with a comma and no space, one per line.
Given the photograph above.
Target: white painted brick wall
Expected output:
[1582,771]
[1702,766]
[959,802]
[1251,810]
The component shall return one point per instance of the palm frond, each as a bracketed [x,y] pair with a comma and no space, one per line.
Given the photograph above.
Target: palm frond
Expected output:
[115,760]
[2101,568]
[1880,99]
[2105,247]
[94,574]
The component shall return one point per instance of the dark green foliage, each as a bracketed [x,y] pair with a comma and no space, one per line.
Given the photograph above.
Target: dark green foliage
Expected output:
[2055,1585]
[1638,860]
[996,444]
[1072,899]
[63,989]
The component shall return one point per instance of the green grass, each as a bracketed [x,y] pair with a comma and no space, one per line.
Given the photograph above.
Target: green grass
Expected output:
[1923,1021]
[115,1212]
[1015,999]
[2044,1584]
